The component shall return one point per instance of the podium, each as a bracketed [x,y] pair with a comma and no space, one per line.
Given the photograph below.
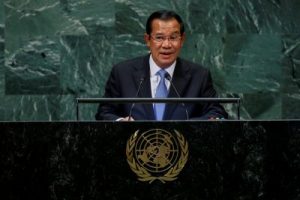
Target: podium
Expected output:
[87,160]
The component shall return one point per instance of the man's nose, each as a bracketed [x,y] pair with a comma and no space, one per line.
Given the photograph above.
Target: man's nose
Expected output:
[166,43]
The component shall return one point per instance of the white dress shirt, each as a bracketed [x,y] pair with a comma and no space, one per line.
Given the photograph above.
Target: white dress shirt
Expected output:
[155,78]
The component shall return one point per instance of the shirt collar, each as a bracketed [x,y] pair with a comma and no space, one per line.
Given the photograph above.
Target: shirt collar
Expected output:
[154,68]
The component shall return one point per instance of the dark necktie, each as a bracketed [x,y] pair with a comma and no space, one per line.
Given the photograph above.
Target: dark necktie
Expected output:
[161,92]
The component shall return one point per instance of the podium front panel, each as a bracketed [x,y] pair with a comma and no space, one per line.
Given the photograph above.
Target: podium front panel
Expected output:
[89,160]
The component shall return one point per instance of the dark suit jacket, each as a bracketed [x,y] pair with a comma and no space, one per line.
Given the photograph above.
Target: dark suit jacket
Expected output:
[190,80]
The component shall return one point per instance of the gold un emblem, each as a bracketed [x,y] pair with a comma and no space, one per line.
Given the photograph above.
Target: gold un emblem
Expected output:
[157,154]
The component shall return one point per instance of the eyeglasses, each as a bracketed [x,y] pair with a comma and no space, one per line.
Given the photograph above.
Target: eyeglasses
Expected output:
[162,38]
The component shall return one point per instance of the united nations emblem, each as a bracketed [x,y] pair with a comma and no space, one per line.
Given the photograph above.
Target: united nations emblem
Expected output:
[157,154]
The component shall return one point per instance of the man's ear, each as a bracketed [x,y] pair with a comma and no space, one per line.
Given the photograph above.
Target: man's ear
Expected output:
[147,39]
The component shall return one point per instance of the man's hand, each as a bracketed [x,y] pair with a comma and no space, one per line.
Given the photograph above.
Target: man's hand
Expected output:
[127,119]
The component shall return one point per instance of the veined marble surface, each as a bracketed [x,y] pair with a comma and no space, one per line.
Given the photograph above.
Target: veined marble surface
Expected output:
[53,51]
[86,160]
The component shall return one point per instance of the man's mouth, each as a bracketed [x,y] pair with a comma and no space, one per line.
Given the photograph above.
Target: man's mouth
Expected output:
[166,53]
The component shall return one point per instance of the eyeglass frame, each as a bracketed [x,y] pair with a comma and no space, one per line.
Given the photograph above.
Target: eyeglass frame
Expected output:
[164,38]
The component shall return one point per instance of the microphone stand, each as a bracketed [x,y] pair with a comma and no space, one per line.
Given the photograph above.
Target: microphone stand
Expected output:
[137,93]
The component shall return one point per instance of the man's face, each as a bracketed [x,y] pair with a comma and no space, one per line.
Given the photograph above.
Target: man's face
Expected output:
[165,41]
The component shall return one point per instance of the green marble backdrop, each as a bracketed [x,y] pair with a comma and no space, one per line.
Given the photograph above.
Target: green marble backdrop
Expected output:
[53,51]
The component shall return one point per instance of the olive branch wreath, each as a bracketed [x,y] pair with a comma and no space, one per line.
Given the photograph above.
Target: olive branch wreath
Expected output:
[143,174]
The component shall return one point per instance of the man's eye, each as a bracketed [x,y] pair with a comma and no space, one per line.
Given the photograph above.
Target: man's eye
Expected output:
[159,38]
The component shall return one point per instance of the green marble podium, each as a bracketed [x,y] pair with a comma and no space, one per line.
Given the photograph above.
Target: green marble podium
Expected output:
[87,160]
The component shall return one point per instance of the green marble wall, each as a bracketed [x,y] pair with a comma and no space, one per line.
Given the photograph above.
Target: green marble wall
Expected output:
[55,50]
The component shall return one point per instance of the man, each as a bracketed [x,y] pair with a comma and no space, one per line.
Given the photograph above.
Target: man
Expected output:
[160,74]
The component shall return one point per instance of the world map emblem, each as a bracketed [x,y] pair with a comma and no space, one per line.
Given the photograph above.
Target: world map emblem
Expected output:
[157,154]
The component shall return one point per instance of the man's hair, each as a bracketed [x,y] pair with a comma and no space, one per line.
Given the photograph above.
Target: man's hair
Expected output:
[164,15]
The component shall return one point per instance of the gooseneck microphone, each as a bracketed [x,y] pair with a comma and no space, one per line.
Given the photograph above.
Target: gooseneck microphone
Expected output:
[168,77]
[136,95]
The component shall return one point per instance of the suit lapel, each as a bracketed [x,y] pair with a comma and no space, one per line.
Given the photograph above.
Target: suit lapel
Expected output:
[180,80]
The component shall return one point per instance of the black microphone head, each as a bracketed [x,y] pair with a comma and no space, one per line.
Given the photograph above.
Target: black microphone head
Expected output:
[168,76]
[142,77]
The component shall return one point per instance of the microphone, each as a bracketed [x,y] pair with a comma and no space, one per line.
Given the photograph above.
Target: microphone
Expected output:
[168,77]
[137,93]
